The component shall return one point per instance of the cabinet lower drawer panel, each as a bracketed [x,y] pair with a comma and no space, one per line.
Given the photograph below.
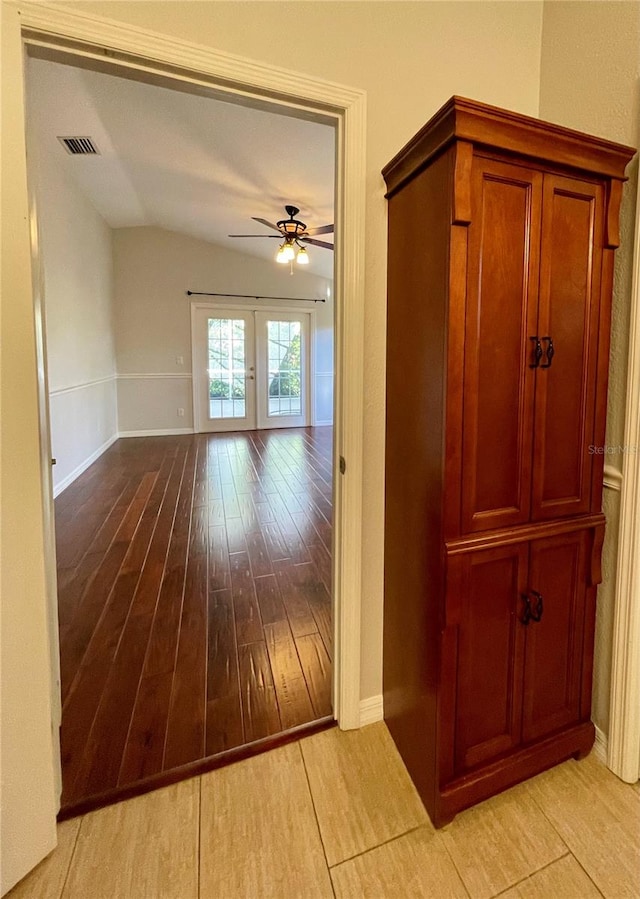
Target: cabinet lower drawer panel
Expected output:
[490,655]
[553,648]
[517,614]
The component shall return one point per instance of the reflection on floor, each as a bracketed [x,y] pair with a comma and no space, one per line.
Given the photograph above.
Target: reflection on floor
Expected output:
[336,814]
[194,582]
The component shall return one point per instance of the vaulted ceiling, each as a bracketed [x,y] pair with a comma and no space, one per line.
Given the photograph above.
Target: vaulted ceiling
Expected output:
[188,163]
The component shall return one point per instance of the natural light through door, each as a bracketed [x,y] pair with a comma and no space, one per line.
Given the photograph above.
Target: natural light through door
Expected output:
[283,368]
[282,354]
[251,369]
[224,369]
[227,368]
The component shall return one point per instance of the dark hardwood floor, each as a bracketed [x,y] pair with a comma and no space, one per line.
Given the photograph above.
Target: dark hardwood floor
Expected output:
[194,586]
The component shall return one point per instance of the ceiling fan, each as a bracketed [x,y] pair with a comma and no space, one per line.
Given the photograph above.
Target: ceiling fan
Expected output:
[294,234]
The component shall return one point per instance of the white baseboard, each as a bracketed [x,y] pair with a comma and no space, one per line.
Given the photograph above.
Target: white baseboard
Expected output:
[157,432]
[71,477]
[371,710]
[600,749]
[323,424]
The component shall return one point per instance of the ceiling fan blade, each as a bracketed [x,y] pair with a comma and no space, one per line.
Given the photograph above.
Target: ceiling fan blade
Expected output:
[317,243]
[265,222]
[324,229]
[277,236]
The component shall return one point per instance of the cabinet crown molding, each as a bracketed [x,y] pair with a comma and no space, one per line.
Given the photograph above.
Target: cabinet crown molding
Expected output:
[489,126]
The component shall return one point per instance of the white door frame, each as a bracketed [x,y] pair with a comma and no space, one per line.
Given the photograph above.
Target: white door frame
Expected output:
[304,307]
[623,745]
[199,355]
[159,58]
[263,420]
[48,507]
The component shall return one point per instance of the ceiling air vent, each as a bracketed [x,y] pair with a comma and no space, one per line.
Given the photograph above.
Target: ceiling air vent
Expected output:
[79,146]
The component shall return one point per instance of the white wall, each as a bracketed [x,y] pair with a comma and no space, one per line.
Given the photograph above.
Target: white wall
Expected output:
[590,69]
[410,58]
[75,248]
[153,269]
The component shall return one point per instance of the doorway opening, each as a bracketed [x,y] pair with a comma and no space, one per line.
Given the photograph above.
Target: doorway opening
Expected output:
[195,571]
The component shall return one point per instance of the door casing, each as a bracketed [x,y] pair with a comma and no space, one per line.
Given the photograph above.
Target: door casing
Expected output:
[83,39]
[197,307]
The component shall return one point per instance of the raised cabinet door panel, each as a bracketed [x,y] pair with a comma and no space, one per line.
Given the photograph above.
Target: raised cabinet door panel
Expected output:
[553,654]
[501,311]
[568,314]
[490,651]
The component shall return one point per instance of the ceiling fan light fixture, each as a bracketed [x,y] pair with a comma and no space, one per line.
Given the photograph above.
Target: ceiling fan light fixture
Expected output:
[285,253]
[293,233]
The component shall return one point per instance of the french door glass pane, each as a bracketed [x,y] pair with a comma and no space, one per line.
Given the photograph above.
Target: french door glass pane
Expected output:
[227,368]
[284,368]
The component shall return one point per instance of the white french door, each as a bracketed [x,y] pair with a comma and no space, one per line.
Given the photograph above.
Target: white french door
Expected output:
[224,370]
[250,369]
[282,354]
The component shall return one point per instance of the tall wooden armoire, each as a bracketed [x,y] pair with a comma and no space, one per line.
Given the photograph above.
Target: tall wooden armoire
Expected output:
[502,231]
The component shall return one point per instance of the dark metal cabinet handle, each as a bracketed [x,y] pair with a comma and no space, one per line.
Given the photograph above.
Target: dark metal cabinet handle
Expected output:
[550,352]
[537,352]
[532,612]
[526,615]
[538,609]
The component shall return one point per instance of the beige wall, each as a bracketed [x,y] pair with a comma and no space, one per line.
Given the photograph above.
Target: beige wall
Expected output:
[589,80]
[75,252]
[410,58]
[153,268]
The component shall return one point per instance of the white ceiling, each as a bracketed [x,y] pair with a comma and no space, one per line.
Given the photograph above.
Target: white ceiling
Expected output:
[187,163]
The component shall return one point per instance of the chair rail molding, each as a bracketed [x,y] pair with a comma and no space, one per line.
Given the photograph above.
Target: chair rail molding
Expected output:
[81,37]
[82,385]
[623,743]
[154,376]
[612,478]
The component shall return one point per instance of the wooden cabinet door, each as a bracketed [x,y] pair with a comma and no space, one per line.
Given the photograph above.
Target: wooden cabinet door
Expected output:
[503,254]
[569,304]
[553,653]
[490,651]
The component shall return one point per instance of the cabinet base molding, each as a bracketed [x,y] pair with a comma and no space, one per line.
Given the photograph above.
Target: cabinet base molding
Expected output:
[491,779]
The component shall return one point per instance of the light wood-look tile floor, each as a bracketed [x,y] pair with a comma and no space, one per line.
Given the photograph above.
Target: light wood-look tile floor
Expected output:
[335,815]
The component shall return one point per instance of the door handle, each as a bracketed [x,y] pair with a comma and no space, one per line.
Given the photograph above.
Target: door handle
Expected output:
[550,352]
[537,352]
